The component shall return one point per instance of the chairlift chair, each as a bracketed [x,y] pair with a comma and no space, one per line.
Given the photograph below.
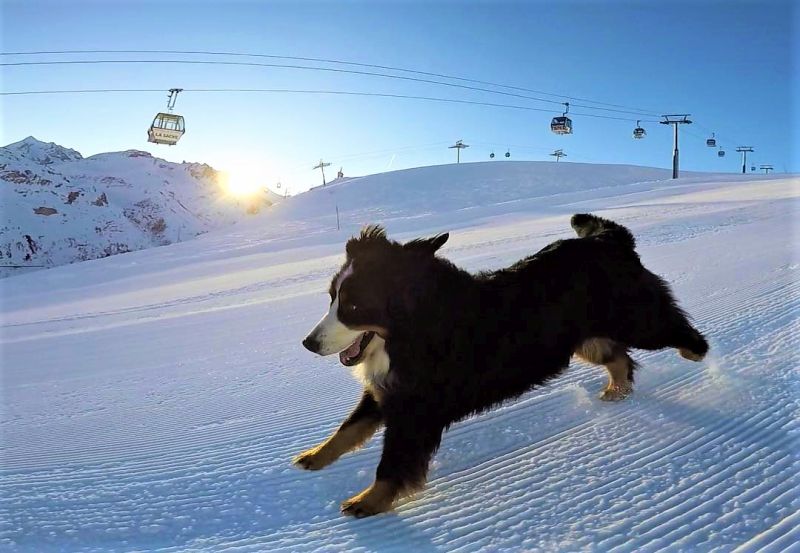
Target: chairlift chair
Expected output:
[711,142]
[167,128]
[562,124]
[639,132]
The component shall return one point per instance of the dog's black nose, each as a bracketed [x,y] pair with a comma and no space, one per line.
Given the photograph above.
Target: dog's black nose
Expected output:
[311,344]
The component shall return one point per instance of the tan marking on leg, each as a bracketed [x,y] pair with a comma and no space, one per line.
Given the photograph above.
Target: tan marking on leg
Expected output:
[690,355]
[595,350]
[378,498]
[619,387]
[345,439]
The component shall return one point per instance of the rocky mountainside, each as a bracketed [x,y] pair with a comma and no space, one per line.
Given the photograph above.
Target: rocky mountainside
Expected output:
[58,207]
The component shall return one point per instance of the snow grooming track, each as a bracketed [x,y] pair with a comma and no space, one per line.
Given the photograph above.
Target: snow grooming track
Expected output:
[163,415]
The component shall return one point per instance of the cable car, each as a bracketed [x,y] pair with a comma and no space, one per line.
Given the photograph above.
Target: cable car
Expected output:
[508,153]
[639,132]
[721,153]
[563,124]
[491,156]
[711,142]
[167,128]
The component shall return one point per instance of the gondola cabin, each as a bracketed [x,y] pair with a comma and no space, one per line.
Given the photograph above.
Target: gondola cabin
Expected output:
[639,132]
[721,153]
[711,142]
[561,125]
[167,128]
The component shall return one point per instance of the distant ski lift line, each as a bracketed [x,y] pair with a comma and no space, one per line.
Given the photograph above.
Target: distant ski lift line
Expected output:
[334,61]
[311,68]
[299,91]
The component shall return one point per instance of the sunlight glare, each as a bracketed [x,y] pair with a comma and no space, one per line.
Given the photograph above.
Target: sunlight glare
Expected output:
[242,183]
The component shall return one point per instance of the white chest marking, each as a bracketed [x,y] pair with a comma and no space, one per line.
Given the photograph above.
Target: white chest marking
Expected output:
[374,367]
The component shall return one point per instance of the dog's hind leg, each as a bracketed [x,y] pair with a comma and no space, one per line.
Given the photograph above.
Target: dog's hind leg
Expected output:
[655,321]
[614,356]
[690,343]
[362,423]
[673,331]
[620,377]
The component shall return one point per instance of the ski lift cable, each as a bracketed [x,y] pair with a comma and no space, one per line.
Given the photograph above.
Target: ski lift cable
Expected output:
[308,68]
[332,61]
[385,151]
[497,146]
[724,138]
[309,91]
[698,136]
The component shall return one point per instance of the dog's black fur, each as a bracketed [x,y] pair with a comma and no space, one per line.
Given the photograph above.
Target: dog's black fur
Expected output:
[461,343]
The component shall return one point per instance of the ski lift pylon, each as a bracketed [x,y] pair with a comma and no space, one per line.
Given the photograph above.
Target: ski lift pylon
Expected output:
[167,127]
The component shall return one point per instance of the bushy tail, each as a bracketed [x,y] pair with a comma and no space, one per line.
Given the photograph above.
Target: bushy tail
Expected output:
[586,224]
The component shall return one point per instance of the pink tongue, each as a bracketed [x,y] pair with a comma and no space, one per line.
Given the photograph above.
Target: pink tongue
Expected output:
[352,351]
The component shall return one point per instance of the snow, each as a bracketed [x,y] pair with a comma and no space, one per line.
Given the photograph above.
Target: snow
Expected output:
[153,400]
[58,207]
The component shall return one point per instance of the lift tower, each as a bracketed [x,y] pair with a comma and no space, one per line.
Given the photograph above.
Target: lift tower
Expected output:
[675,120]
[744,150]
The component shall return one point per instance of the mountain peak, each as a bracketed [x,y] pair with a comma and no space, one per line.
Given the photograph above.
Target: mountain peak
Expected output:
[42,152]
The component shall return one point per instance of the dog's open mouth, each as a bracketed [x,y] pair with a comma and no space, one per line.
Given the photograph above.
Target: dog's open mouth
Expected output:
[353,354]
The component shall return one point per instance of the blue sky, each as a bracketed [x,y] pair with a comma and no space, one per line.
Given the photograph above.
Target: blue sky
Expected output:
[727,63]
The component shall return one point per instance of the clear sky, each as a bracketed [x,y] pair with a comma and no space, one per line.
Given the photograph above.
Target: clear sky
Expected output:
[729,63]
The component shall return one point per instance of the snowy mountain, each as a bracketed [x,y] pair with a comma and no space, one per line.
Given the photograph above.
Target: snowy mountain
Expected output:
[58,207]
[153,401]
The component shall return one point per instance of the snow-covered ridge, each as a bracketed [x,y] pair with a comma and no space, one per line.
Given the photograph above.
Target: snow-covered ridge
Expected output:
[59,207]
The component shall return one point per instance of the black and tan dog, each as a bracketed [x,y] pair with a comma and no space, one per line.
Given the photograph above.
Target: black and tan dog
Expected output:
[433,344]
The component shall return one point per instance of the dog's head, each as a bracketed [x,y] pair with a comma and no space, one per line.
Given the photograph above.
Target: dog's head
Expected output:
[367,292]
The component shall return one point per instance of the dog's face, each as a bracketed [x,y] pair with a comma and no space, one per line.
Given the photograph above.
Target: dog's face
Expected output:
[364,294]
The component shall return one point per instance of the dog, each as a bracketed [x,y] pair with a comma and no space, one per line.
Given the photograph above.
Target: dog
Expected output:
[434,344]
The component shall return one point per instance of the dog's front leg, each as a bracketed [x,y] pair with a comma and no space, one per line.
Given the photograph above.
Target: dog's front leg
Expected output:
[359,426]
[412,435]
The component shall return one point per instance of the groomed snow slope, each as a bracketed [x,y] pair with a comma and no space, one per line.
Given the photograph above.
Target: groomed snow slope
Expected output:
[153,400]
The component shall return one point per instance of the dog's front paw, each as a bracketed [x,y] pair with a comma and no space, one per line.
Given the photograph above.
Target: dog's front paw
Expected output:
[378,498]
[313,459]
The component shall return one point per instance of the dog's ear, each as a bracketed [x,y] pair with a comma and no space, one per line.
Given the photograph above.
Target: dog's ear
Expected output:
[370,234]
[427,245]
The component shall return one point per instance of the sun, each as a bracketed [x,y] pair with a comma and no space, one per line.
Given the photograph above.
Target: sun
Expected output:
[242,183]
